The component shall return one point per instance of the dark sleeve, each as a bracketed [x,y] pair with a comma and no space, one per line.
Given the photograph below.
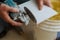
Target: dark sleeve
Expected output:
[17,1]
[20,1]
[2,0]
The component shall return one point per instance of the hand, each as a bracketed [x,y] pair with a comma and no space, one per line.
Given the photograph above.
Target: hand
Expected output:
[4,14]
[40,3]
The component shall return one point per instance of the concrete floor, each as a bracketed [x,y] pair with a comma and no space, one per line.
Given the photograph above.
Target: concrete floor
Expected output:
[11,35]
[31,32]
[28,33]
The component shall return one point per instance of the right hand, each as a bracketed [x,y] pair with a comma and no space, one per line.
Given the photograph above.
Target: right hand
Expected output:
[4,14]
[40,3]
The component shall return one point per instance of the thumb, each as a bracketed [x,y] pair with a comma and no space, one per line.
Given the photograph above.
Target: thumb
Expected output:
[40,4]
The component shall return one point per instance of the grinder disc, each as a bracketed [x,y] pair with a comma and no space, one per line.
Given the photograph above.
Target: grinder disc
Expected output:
[29,13]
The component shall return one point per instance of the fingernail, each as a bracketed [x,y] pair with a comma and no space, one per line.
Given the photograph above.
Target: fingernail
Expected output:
[40,8]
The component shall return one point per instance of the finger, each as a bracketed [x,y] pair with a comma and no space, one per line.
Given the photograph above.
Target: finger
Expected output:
[11,9]
[5,7]
[40,4]
[17,24]
[6,18]
[48,3]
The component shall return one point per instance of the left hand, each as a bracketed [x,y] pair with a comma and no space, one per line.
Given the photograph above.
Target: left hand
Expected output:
[4,14]
[40,3]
